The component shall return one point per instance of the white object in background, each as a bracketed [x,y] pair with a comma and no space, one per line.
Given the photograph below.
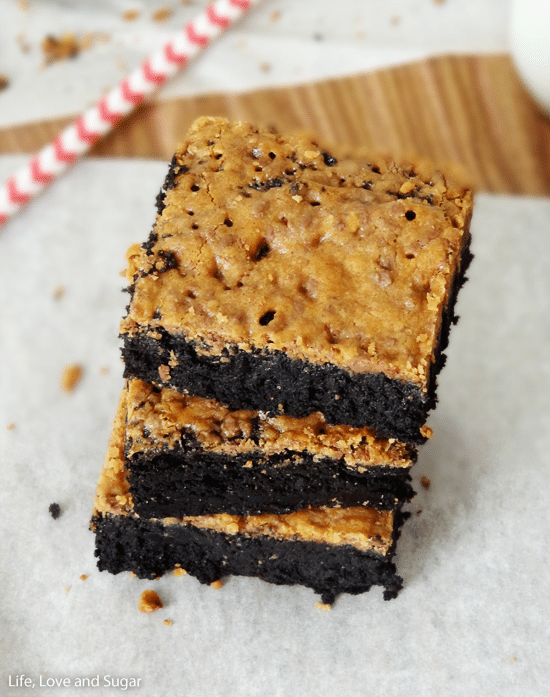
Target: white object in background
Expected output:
[530,46]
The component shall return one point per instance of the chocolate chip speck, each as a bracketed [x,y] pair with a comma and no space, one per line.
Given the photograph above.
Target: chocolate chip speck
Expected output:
[329,160]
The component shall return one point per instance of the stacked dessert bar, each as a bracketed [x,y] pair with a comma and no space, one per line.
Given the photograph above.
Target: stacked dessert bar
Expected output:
[287,322]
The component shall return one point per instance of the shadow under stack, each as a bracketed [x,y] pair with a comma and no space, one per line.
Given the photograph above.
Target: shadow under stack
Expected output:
[286,326]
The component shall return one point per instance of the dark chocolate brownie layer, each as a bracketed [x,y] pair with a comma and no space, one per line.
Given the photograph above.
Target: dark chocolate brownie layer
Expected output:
[197,483]
[150,549]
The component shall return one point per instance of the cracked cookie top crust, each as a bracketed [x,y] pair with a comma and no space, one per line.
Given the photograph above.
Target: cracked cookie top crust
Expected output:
[270,242]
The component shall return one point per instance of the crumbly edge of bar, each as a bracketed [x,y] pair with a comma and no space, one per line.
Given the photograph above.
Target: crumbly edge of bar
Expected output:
[149,549]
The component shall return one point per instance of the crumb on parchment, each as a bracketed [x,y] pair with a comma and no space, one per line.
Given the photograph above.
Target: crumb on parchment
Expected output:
[59,48]
[130,15]
[59,292]
[22,42]
[425,481]
[55,510]
[149,601]
[324,607]
[72,375]
[162,14]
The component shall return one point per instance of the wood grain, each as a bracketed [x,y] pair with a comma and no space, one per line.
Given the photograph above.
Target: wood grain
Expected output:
[467,110]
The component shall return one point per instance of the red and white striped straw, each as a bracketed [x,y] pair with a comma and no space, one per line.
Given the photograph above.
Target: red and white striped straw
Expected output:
[79,137]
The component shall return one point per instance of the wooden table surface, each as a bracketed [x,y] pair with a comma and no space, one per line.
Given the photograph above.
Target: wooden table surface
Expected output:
[467,110]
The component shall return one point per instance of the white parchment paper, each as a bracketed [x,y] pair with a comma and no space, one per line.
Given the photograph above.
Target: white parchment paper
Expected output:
[473,617]
[280,42]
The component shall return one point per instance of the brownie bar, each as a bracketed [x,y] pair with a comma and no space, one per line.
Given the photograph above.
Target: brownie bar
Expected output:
[191,456]
[332,550]
[279,279]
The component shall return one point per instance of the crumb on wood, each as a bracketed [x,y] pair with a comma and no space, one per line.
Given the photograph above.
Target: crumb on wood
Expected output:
[55,510]
[149,601]
[11,426]
[162,14]
[168,623]
[4,82]
[425,481]
[130,15]
[72,375]
[216,585]
[324,607]
[59,292]
[179,572]
[83,577]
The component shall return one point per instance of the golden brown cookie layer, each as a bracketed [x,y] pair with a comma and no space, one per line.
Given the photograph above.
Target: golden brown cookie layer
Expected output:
[266,242]
[157,419]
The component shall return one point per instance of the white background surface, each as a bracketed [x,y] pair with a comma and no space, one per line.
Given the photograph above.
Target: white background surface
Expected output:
[473,617]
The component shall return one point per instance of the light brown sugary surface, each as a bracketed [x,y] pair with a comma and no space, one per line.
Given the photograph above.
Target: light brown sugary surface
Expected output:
[273,248]
[156,419]
[363,528]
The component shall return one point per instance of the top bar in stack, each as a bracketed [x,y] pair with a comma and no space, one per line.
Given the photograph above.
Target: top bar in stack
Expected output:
[281,279]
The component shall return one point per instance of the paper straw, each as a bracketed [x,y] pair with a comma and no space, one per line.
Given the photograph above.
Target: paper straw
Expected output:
[94,123]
